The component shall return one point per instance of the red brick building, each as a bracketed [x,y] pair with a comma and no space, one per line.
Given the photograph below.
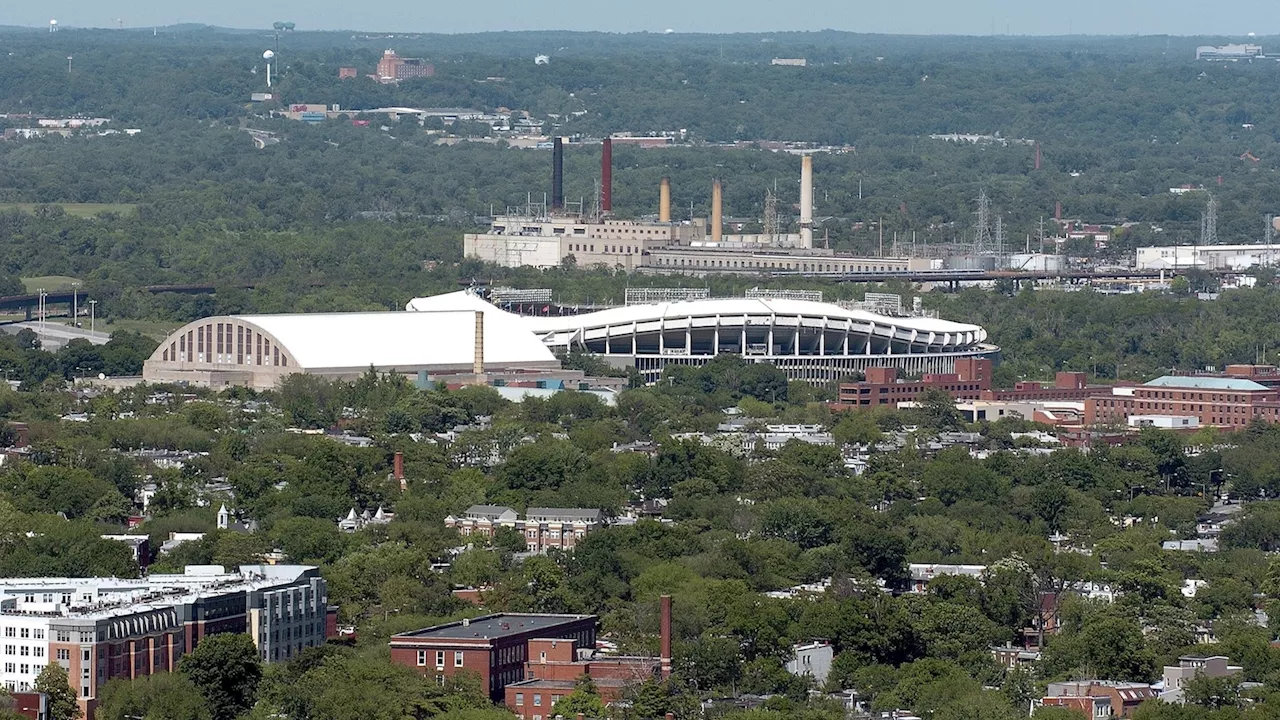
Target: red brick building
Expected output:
[392,67]
[1226,402]
[554,667]
[345,73]
[493,647]
[882,386]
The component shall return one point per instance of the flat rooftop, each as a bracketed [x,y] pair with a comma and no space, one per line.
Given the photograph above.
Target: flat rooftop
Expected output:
[495,626]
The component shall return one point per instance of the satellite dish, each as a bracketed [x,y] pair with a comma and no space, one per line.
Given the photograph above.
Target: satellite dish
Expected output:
[268,55]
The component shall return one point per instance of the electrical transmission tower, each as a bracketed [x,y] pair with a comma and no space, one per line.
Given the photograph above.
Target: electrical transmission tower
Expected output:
[1209,223]
[771,230]
[982,228]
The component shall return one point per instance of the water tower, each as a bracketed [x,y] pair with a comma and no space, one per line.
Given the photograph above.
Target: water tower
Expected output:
[268,56]
[53,26]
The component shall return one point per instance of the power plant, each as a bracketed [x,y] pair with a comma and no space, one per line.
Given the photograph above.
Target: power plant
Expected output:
[552,234]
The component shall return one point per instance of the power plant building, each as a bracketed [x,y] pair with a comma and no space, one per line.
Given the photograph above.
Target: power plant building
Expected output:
[551,237]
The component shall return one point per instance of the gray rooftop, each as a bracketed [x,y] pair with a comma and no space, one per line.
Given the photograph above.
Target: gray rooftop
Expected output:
[574,513]
[494,626]
[1204,383]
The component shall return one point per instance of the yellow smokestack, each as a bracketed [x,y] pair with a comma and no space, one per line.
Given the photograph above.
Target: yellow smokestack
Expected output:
[717,212]
[664,201]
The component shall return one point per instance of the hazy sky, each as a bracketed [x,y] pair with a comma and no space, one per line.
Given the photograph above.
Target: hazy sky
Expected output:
[971,17]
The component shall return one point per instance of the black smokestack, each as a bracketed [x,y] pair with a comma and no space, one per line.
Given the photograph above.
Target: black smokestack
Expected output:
[557,175]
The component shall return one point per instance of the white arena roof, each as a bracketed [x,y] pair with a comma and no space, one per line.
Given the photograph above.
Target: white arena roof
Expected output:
[394,339]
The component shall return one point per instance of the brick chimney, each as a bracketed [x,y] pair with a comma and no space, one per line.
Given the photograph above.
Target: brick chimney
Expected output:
[397,470]
[665,631]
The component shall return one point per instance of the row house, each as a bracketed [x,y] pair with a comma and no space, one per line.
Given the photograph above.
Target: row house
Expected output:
[542,528]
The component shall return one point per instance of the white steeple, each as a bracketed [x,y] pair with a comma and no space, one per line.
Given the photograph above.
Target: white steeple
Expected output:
[224,518]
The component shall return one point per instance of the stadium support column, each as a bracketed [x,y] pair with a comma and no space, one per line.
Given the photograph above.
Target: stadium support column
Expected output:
[477,367]
[806,201]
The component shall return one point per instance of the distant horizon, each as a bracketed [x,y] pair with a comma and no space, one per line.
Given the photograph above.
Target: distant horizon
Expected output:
[920,18]
[712,33]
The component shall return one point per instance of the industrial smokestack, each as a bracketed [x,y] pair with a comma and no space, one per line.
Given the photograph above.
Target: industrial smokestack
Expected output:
[664,201]
[717,211]
[606,176]
[665,632]
[557,174]
[477,367]
[806,201]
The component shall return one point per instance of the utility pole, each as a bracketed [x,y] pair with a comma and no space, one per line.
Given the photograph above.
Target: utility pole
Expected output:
[93,306]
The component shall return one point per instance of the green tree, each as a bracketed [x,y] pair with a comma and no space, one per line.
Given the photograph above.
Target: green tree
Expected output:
[227,671]
[584,700]
[163,696]
[1213,692]
[60,696]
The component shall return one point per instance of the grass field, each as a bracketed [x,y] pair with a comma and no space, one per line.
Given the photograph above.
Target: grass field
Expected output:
[76,209]
[150,328]
[50,283]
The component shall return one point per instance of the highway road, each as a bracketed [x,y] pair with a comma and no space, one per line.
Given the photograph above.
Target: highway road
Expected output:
[55,334]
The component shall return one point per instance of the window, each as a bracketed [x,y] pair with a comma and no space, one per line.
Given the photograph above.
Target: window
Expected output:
[439,659]
[537,700]
[24,650]
[39,634]
[457,658]
[8,667]
[25,669]
[39,651]
[9,632]
[25,632]
[519,698]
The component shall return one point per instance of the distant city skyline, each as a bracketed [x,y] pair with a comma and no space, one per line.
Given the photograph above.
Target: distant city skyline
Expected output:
[922,17]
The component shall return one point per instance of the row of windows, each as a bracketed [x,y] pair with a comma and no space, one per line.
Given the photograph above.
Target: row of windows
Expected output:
[457,658]
[22,669]
[250,348]
[24,650]
[37,633]
[537,699]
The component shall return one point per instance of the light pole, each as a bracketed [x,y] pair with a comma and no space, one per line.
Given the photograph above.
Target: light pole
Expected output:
[93,306]
[75,304]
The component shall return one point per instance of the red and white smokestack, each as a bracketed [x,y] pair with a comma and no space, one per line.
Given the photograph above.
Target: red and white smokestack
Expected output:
[717,211]
[665,633]
[397,469]
[606,176]
[806,201]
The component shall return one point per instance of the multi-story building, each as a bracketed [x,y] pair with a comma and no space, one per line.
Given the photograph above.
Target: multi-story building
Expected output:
[542,528]
[882,387]
[104,628]
[1120,699]
[392,67]
[1190,667]
[1219,401]
[495,648]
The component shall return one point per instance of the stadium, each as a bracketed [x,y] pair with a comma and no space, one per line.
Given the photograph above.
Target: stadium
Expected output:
[812,341]
[463,336]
